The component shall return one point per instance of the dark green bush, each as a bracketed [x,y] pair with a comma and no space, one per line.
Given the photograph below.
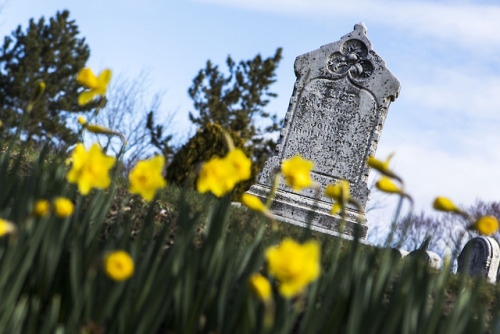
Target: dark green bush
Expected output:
[205,144]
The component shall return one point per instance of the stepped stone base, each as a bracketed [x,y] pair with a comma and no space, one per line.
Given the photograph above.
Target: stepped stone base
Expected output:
[302,211]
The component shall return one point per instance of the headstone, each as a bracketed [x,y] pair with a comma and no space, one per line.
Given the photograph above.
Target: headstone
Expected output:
[480,257]
[433,260]
[400,253]
[335,117]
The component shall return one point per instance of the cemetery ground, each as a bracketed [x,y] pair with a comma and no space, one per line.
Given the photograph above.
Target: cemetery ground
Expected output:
[194,259]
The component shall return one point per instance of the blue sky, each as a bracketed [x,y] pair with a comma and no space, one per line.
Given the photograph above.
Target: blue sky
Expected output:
[444,127]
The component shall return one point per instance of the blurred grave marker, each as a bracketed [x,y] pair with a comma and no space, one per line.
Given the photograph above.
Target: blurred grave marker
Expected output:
[480,257]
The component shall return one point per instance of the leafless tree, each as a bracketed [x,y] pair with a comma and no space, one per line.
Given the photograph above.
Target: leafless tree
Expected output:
[445,230]
[128,104]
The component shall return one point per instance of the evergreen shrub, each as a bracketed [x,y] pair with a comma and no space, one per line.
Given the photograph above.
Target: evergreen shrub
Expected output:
[205,144]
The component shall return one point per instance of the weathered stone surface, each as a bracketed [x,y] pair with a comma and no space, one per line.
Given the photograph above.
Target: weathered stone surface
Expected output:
[480,257]
[432,259]
[401,253]
[335,117]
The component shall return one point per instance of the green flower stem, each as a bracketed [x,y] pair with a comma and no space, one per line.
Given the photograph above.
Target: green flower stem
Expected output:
[274,188]
[395,220]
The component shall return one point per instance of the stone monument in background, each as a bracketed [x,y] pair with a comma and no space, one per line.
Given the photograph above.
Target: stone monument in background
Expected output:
[335,117]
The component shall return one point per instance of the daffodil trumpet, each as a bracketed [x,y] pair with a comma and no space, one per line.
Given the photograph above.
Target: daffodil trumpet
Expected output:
[485,225]
[340,193]
[297,172]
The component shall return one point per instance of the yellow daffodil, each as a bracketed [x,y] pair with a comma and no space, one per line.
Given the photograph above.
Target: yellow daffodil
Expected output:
[486,225]
[254,203]
[386,185]
[261,287]
[217,176]
[96,85]
[90,169]
[444,204]
[42,207]
[241,163]
[297,172]
[82,121]
[340,193]
[293,265]
[383,167]
[220,175]
[63,207]
[118,265]
[146,177]
[6,227]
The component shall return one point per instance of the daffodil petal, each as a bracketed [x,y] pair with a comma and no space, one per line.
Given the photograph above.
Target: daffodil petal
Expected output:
[86,97]
[87,78]
[103,80]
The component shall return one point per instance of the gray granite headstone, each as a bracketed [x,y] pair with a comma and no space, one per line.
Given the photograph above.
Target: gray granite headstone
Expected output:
[432,259]
[480,257]
[335,117]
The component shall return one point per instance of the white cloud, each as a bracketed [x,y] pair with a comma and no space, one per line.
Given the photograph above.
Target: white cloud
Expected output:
[459,91]
[466,24]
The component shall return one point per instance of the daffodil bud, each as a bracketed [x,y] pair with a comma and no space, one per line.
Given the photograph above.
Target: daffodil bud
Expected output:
[254,203]
[6,227]
[42,207]
[261,287]
[63,207]
[338,190]
[444,204]
[99,129]
[386,185]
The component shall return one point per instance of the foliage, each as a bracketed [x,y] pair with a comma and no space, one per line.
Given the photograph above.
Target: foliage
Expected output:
[49,52]
[56,277]
[58,280]
[207,143]
[160,142]
[236,100]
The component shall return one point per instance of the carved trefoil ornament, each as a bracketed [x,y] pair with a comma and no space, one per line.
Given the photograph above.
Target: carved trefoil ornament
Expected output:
[352,60]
